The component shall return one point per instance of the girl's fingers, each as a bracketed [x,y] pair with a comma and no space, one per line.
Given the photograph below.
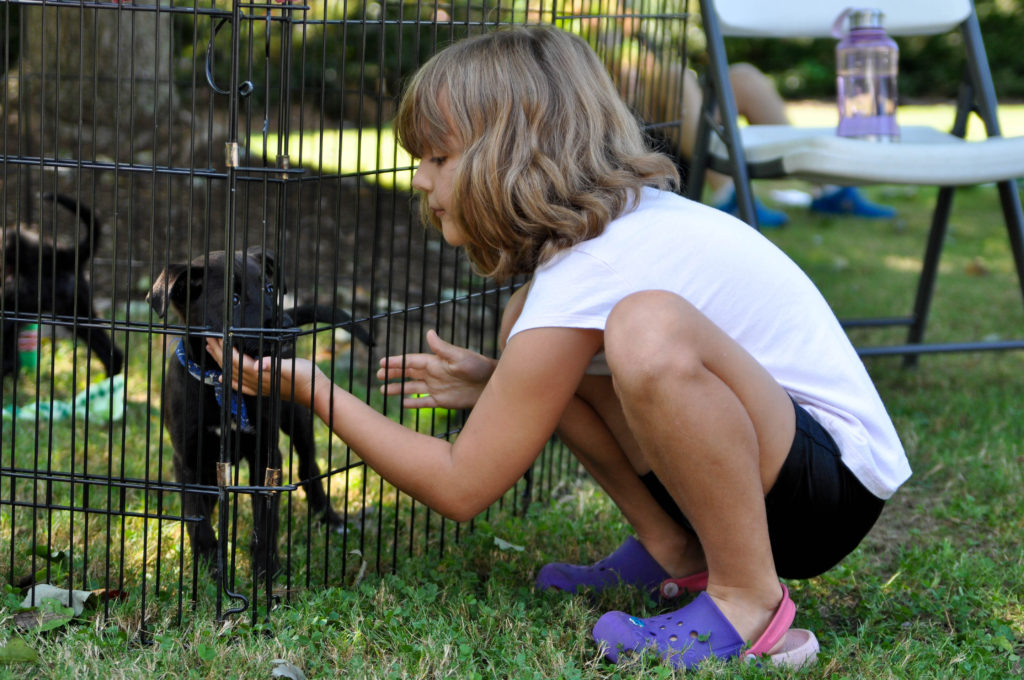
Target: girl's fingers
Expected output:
[384,373]
[407,387]
[425,401]
[441,348]
[398,374]
[408,362]
[215,349]
[246,377]
[393,368]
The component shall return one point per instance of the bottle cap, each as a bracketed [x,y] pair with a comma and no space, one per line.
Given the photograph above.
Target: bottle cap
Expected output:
[858,17]
[866,18]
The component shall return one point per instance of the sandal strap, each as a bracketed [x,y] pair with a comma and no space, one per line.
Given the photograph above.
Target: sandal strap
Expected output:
[674,587]
[776,629]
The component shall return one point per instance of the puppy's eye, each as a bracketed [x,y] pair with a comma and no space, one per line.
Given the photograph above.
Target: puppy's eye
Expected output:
[270,289]
[235,300]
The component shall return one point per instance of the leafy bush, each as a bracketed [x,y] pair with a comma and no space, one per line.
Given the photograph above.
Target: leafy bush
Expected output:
[367,46]
[930,66]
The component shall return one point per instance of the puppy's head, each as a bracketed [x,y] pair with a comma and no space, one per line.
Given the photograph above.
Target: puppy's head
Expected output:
[199,291]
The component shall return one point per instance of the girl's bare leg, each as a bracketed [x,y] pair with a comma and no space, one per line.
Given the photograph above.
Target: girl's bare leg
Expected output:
[593,427]
[756,98]
[715,428]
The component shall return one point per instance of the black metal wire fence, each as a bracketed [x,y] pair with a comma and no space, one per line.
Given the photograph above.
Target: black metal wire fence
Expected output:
[143,135]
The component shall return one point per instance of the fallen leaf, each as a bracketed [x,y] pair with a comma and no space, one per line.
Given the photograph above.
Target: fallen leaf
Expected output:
[55,556]
[103,594]
[76,599]
[505,545]
[283,669]
[17,651]
[42,620]
[977,267]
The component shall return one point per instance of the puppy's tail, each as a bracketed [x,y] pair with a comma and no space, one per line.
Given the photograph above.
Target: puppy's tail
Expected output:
[303,315]
[87,217]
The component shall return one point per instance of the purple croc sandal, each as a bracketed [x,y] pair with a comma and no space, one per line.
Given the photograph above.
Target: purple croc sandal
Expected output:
[699,631]
[630,564]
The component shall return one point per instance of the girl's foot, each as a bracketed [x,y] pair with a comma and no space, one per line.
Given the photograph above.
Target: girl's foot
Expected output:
[630,564]
[699,631]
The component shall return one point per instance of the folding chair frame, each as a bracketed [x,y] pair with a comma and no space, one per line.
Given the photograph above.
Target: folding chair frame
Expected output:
[977,94]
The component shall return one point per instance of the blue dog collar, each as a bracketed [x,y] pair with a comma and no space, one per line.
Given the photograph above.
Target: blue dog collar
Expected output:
[212,377]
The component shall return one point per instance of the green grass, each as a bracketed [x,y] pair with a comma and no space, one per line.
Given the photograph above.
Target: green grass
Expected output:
[935,591]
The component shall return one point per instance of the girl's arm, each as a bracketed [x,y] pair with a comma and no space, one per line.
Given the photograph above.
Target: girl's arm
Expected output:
[514,417]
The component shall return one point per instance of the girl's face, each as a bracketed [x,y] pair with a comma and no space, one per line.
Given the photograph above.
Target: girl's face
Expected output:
[434,177]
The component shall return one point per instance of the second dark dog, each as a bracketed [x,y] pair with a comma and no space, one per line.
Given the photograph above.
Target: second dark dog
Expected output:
[192,395]
[44,278]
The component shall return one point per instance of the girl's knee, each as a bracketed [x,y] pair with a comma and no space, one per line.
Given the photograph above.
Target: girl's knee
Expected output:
[648,338]
[647,318]
[637,306]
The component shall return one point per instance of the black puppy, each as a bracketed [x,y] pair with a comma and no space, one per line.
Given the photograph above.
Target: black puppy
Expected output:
[42,277]
[192,394]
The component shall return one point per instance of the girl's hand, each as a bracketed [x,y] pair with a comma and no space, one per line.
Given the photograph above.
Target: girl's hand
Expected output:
[254,376]
[451,377]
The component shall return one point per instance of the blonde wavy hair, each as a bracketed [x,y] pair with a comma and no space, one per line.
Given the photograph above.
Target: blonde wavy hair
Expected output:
[550,153]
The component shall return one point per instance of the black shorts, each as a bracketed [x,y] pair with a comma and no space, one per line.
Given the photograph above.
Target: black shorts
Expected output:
[818,511]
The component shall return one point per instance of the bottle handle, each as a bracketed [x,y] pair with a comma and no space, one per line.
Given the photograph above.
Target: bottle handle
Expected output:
[837,25]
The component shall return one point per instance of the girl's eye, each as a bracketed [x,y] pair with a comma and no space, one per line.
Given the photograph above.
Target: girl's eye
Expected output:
[438,160]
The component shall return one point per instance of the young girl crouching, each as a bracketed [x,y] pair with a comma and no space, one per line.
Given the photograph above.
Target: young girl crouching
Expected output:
[689,364]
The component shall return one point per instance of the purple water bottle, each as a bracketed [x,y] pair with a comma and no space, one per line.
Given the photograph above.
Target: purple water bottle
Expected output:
[867,61]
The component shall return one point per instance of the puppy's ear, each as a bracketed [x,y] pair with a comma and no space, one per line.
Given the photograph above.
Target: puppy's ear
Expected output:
[267,260]
[170,288]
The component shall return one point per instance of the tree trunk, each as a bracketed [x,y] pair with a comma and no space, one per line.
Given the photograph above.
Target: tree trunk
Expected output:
[96,83]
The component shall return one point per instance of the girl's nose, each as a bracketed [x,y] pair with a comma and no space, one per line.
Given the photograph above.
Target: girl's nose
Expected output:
[420,181]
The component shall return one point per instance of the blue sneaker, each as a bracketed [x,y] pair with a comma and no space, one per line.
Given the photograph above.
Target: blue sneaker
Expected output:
[766,217]
[850,201]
